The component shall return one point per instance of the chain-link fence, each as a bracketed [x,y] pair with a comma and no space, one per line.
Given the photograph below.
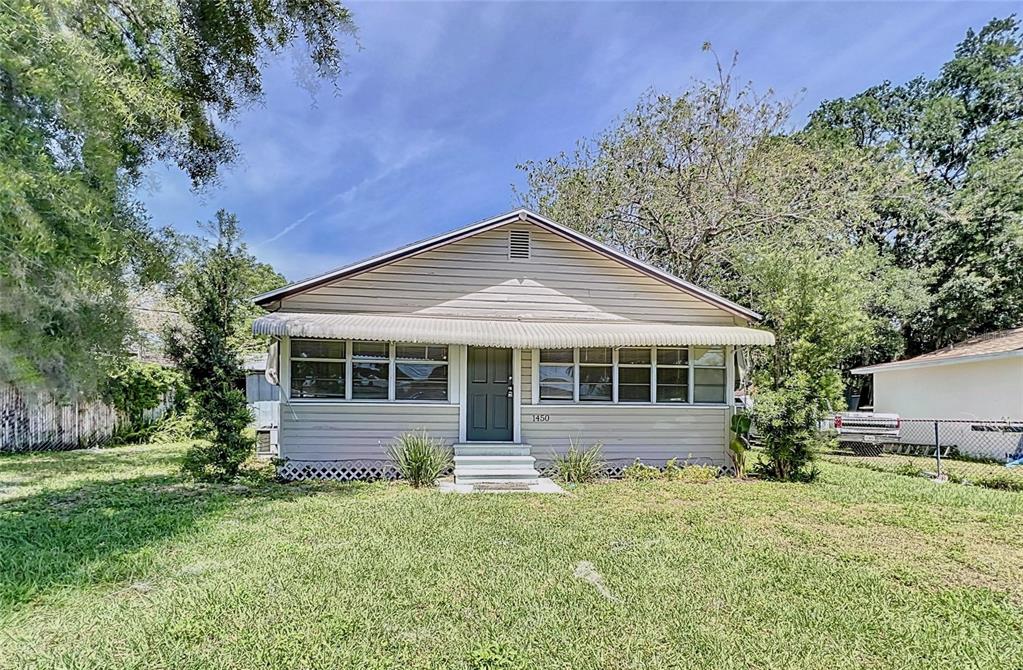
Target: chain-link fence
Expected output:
[983,453]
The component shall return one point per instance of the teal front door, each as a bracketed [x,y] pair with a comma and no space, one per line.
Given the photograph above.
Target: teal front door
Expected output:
[489,414]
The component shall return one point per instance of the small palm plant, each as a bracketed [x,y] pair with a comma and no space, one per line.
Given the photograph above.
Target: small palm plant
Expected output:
[419,458]
[579,466]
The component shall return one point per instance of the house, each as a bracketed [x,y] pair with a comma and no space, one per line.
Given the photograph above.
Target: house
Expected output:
[511,339]
[979,379]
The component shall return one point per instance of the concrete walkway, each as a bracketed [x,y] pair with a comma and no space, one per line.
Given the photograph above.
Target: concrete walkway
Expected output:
[541,485]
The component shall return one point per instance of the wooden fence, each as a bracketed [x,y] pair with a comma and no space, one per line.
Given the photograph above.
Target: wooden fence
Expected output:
[43,423]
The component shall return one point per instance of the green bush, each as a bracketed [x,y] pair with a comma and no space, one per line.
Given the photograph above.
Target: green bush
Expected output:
[641,472]
[1002,482]
[786,419]
[695,473]
[579,466]
[419,458]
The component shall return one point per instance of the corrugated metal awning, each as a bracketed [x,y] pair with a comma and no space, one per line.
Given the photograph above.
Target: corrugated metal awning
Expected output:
[506,333]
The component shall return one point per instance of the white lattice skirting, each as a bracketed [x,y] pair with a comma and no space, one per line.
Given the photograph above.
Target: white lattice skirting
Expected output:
[340,470]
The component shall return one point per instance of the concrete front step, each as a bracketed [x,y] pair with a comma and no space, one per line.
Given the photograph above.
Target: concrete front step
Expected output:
[494,460]
[492,449]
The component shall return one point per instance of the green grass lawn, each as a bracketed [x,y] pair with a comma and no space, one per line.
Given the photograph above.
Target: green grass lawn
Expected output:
[109,560]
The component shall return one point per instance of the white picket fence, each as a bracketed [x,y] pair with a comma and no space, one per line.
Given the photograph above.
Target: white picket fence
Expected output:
[41,423]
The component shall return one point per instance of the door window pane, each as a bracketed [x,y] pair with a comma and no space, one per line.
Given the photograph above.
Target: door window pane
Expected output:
[421,381]
[709,385]
[317,379]
[633,384]
[595,382]
[557,382]
[370,380]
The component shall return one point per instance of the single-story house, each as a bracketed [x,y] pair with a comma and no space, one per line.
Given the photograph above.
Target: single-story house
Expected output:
[979,379]
[968,396]
[510,339]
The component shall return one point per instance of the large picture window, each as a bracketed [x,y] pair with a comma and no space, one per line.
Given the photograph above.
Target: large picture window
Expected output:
[378,371]
[668,375]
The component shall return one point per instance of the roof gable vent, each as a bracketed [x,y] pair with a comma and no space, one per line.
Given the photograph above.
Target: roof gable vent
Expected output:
[518,244]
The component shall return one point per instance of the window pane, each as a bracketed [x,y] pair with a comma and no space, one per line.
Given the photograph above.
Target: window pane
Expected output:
[557,382]
[595,382]
[369,380]
[709,356]
[673,376]
[556,356]
[422,352]
[370,350]
[317,349]
[634,384]
[672,384]
[633,356]
[421,381]
[708,385]
[672,393]
[672,356]
[315,379]
[594,355]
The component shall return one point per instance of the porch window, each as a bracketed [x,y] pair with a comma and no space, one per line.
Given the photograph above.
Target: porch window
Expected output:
[709,374]
[420,372]
[373,370]
[557,374]
[669,375]
[317,369]
[673,374]
[595,375]
[633,375]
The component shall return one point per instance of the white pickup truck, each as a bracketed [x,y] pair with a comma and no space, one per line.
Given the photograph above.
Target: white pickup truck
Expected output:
[860,429]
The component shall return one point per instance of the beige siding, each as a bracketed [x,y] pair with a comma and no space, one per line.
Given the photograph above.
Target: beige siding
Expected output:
[526,392]
[653,434]
[352,431]
[475,278]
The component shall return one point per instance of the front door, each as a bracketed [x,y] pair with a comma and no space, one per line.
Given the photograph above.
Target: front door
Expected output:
[489,414]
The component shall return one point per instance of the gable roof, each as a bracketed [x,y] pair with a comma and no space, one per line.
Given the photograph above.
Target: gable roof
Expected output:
[999,344]
[518,215]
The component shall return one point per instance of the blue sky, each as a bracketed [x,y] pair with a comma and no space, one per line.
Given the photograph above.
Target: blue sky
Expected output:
[443,100]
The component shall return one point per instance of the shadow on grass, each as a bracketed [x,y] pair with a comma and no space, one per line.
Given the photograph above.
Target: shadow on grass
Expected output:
[96,533]
[24,470]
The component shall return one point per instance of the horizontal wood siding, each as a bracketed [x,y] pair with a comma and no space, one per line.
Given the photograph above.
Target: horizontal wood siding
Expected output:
[627,432]
[474,278]
[526,380]
[348,431]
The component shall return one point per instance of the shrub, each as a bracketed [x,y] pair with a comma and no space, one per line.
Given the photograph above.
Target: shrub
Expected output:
[1002,481]
[578,466]
[738,445]
[641,472]
[696,473]
[787,419]
[419,458]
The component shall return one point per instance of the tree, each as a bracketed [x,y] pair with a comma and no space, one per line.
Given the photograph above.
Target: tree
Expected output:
[91,93]
[962,133]
[211,295]
[709,186]
[259,278]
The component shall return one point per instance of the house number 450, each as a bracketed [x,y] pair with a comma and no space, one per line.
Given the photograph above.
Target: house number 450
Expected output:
[543,418]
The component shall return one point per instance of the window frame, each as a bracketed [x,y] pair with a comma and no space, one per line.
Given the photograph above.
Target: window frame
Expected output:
[690,367]
[450,393]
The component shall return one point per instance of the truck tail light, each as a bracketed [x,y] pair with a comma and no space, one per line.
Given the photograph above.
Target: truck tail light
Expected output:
[838,421]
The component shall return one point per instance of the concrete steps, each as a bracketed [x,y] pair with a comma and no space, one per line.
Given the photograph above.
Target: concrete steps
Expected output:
[482,463]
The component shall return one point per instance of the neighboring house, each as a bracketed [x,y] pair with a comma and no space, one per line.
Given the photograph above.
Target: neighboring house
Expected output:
[979,379]
[511,339]
[261,396]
